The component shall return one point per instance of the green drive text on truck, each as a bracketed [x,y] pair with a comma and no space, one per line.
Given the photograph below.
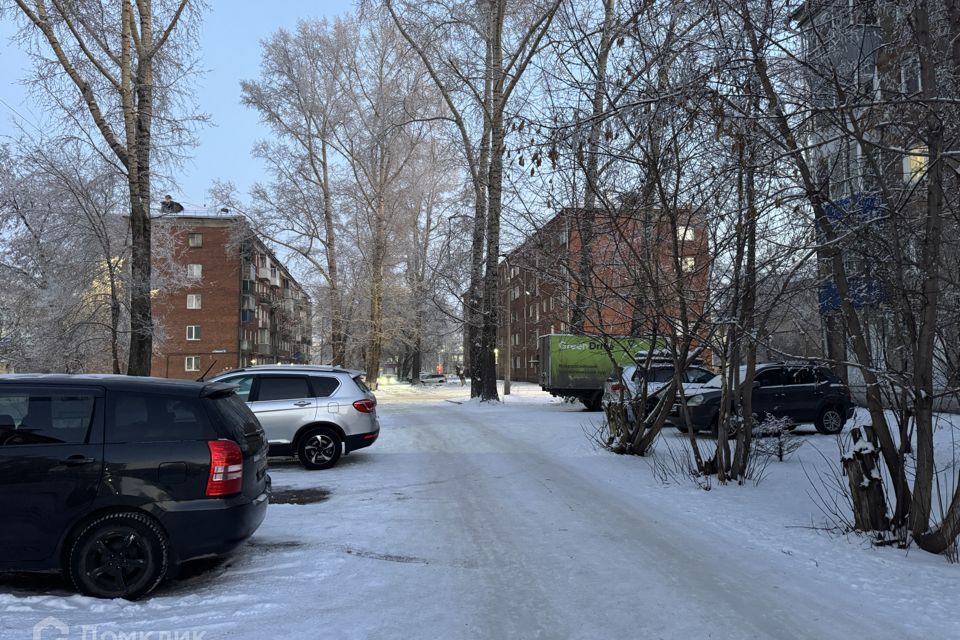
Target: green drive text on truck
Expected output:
[577,366]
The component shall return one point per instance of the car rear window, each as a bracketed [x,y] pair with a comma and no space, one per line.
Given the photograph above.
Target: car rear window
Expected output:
[323,386]
[156,418]
[45,418]
[361,384]
[660,374]
[235,416]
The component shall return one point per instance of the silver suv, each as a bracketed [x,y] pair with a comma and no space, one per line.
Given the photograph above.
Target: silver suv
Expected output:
[314,412]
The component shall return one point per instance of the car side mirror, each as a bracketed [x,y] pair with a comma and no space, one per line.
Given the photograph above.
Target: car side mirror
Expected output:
[756,385]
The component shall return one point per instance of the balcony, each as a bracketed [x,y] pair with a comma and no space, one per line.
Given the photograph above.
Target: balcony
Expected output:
[264,323]
[248,303]
[263,273]
[263,349]
[275,280]
[250,272]
[245,345]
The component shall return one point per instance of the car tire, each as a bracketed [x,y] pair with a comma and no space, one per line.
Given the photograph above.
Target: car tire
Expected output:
[319,448]
[119,555]
[830,420]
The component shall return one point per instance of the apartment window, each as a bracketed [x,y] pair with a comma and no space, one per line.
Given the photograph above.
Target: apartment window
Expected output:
[194,271]
[193,332]
[688,263]
[686,234]
[193,301]
[191,363]
[195,240]
[910,78]
[915,164]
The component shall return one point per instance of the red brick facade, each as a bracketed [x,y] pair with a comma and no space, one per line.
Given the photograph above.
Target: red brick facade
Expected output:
[251,311]
[538,281]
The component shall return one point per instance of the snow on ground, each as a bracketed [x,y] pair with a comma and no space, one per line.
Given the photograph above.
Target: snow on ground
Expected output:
[470,520]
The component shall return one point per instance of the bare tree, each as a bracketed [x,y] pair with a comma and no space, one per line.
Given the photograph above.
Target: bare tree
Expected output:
[448,38]
[114,70]
[299,97]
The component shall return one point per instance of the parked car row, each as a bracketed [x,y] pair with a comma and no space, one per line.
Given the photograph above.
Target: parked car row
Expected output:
[801,392]
[117,480]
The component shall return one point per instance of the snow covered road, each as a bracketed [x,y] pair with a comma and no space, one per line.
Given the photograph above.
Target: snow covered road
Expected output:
[469,521]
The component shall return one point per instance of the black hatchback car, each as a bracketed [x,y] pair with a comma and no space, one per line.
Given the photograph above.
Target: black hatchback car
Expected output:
[116,480]
[801,392]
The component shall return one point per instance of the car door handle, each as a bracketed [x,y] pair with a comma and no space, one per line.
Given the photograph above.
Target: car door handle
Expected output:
[302,403]
[76,461]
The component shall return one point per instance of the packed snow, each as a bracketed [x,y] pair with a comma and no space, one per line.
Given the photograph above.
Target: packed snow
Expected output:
[503,520]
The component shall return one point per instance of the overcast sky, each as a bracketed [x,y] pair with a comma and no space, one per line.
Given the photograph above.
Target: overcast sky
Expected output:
[230,51]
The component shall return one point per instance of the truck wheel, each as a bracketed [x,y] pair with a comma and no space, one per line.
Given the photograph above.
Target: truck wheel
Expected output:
[594,402]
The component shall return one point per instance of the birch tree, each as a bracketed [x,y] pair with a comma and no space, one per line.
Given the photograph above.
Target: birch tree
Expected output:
[114,71]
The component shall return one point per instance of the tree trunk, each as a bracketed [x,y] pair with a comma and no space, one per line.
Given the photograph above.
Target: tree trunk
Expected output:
[375,341]
[862,469]
[338,337]
[930,267]
[488,334]
[585,221]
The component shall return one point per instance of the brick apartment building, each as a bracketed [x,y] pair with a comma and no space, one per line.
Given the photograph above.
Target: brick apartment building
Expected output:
[538,280]
[235,303]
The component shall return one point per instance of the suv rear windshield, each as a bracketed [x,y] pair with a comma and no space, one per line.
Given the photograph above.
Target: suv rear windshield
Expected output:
[235,415]
[361,384]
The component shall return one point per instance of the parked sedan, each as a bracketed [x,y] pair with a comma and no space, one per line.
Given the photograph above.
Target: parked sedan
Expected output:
[433,378]
[801,392]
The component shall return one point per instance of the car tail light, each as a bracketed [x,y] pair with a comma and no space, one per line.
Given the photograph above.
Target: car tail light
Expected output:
[226,468]
[616,386]
[365,406]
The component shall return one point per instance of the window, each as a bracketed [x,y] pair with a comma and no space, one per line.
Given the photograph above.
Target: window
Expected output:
[193,332]
[195,271]
[910,78]
[699,376]
[802,375]
[191,363]
[769,378]
[324,386]
[193,301]
[686,234]
[195,240]
[688,263]
[915,164]
[283,388]
[157,418]
[40,417]
[244,383]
